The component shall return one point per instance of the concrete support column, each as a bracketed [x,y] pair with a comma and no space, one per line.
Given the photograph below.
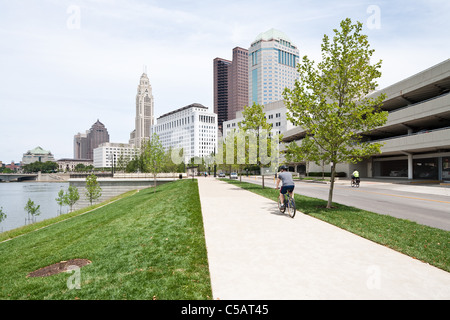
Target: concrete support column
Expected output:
[440,167]
[410,166]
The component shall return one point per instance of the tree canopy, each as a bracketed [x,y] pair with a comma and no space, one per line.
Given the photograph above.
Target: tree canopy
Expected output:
[44,167]
[265,150]
[153,156]
[331,100]
[93,189]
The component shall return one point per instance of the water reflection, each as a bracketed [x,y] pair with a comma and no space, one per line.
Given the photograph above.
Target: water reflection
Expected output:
[14,197]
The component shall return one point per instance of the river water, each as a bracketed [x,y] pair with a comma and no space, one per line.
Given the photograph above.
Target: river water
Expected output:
[14,196]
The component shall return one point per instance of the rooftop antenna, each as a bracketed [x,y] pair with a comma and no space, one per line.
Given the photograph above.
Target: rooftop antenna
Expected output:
[145,69]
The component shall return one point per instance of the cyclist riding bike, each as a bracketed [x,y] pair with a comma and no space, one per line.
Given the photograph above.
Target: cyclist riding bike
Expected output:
[285,177]
[355,176]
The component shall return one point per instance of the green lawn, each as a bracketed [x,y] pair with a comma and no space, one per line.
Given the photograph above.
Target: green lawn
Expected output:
[425,243]
[148,245]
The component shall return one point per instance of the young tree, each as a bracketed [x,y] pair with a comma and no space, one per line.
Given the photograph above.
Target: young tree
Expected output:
[2,215]
[256,123]
[167,164]
[153,156]
[122,160]
[62,199]
[72,196]
[330,101]
[308,151]
[32,210]
[241,150]
[93,189]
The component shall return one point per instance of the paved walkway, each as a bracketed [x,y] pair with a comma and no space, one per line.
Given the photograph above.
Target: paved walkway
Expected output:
[257,253]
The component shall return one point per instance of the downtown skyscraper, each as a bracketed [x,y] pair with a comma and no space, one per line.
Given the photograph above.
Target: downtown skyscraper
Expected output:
[85,143]
[272,60]
[144,112]
[230,85]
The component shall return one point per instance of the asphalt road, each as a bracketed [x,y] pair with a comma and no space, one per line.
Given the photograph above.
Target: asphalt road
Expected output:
[427,205]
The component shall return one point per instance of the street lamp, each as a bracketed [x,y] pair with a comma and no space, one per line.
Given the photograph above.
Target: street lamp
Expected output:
[112,157]
[215,166]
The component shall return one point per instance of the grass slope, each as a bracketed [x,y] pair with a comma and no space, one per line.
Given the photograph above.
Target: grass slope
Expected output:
[149,245]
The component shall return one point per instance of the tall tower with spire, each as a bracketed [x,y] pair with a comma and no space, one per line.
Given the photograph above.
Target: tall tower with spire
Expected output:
[144,112]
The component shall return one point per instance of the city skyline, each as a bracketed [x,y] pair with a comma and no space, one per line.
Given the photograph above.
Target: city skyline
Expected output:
[67,63]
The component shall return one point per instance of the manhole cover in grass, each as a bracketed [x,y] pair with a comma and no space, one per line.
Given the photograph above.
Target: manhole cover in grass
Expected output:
[59,267]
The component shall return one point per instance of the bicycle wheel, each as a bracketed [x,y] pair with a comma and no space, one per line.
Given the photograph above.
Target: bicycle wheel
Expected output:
[280,207]
[291,207]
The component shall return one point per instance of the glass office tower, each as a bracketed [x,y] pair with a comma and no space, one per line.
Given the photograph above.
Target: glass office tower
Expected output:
[272,60]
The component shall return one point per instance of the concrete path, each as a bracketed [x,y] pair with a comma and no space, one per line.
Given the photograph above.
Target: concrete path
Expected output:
[257,253]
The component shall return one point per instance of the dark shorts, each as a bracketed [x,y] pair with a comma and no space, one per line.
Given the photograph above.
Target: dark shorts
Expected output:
[285,189]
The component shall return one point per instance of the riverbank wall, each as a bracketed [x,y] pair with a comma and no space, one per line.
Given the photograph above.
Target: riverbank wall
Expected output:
[111,187]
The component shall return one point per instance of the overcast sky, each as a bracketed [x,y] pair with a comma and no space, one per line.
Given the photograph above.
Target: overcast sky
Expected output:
[65,64]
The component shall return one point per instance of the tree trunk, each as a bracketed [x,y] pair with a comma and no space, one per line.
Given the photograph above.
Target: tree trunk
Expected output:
[323,170]
[330,193]
[262,176]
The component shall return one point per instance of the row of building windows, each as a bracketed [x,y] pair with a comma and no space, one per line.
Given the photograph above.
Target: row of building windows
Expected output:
[174,124]
[283,57]
[277,124]
[254,58]
[207,119]
[183,121]
[278,115]
[286,58]
[286,44]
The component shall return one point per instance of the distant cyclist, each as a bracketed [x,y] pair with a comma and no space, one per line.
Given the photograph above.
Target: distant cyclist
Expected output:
[285,177]
[355,176]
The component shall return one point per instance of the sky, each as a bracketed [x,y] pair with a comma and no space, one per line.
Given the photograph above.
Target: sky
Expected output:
[66,64]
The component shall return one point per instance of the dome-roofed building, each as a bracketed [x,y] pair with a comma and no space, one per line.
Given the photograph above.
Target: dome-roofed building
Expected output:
[272,34]
[37,154]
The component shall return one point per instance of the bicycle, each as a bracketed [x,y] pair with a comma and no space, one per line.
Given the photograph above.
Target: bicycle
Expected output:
[355,182]
[289,204]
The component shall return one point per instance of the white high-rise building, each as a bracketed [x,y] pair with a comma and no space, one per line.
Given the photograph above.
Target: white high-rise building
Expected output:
[192,128]
[272,60]
[144,112]
[108,154]
[276,116]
